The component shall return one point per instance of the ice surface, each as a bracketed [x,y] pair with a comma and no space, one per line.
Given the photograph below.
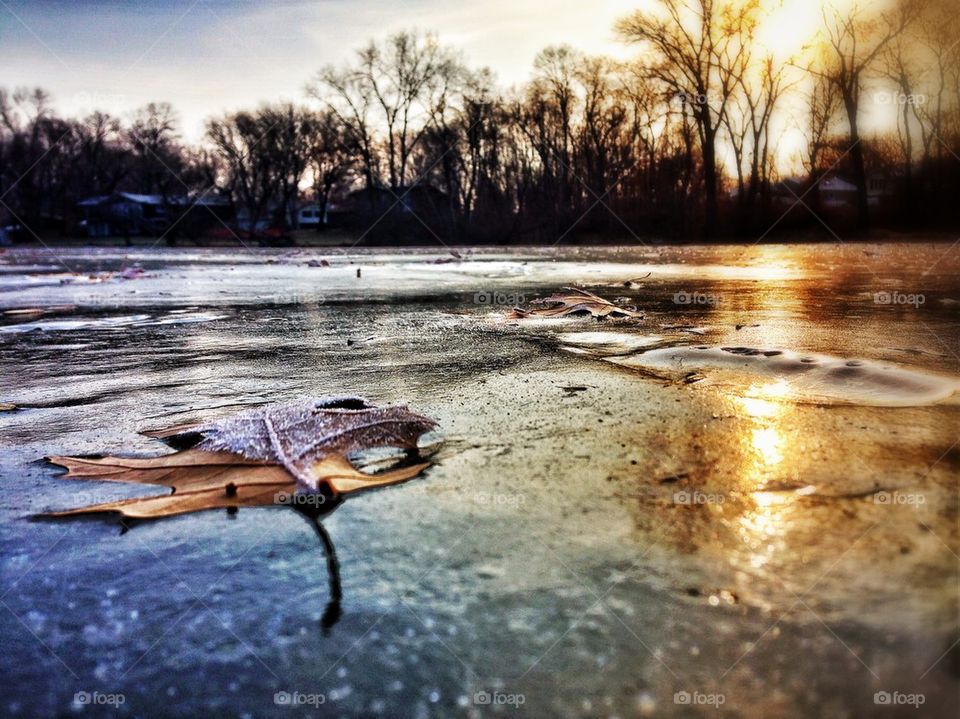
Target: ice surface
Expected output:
[569,543]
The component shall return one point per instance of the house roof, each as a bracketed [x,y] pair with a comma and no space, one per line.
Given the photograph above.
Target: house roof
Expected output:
[203,201]
[93,201]
[128,196]
[141,199]
[835,184]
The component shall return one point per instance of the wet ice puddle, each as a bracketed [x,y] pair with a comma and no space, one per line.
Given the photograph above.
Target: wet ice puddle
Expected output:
[116,322]
[780,373]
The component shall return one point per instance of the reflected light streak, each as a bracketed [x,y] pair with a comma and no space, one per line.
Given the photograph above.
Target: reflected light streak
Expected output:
[765,447]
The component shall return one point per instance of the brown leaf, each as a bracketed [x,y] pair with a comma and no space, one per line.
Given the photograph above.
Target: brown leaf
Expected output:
[341,476]
[162,470]
[312,436]
[195,488]
[299,434]
[576,302]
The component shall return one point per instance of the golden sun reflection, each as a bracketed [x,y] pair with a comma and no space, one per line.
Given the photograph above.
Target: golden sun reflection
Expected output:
[772,449]
[770,273]
[765,447]
[766,442]
[774,390]
[776,265]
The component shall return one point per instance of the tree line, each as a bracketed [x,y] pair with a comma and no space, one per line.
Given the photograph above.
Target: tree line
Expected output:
[684,141]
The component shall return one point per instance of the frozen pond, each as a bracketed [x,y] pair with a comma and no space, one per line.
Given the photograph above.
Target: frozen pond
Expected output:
[748,497]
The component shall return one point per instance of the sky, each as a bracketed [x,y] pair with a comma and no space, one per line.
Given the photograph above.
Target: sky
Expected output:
[208,57]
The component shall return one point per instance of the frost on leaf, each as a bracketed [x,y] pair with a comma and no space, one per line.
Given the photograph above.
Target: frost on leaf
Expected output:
[261,457]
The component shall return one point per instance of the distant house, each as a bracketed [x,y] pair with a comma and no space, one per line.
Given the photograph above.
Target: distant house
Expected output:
[122,213]
[419,203]
[131,214]
[837,192]
[882,187]
[310,216]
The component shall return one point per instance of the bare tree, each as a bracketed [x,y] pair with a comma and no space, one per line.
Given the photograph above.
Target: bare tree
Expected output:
[604,151]
[699,47]
[265,153]
[545,120]
[903,69]
[823,104]
[394,87]
[32,144]
[345,93]
[936,56]
[760,84]
[332,152]
[662,145]
[103,159]
[153,136]
[286,142]
[853,42]
[461,150]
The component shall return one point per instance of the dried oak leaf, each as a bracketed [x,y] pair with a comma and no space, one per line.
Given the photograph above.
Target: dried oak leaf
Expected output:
[262,457]
[576,302]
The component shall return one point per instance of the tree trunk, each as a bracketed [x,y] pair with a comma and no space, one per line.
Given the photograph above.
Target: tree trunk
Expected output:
[710,186]
[859,167]
[322,196]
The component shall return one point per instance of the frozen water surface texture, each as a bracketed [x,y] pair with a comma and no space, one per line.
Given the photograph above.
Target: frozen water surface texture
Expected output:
[745,501]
